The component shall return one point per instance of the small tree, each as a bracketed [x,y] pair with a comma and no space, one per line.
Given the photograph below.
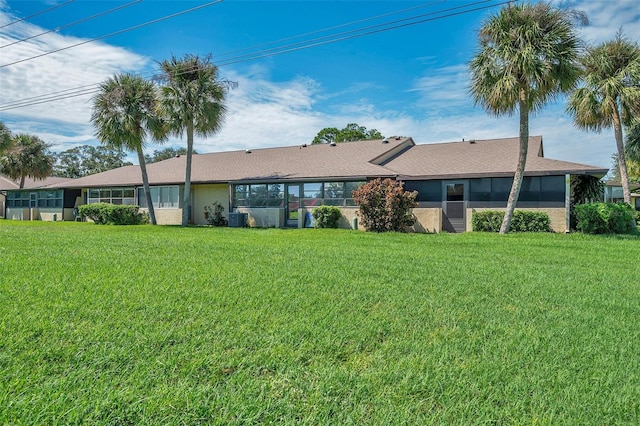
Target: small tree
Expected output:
[351,132]
[385,205]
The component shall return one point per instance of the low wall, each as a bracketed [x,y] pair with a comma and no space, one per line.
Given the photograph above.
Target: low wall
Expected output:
[428,220]
[557,216]
[167,216]
[263,217]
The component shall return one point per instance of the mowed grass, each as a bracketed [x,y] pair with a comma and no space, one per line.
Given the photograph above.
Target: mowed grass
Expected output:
[164,325]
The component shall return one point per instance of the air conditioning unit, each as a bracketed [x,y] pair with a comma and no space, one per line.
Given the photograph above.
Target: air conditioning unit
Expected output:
[237,220]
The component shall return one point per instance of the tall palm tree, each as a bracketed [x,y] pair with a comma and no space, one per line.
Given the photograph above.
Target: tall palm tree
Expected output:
[610,96]
[192,101]
[29,157]
[124,115]
[527,55]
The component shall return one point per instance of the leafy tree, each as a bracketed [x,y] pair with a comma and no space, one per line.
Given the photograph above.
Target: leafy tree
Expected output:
[87,160]
[6,140]
[632,147]
[352,132]
[385,205]
[192,101]
[29,157]
[165,154]
[610,95]
[528,54]
[124,115]
[633,169]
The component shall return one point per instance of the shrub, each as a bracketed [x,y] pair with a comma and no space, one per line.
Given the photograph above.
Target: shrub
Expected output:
[523,221]
[327,216]
[214,214]
[605,218]
[385,205]
[113,214]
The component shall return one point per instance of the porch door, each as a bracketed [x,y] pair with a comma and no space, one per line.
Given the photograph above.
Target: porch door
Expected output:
[455,206]
[293,204]
[33,200]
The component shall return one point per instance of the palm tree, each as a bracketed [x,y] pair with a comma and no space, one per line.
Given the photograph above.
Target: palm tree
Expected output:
[192,101]
[610,96]
[528,55]
[124,115]
[29,157]
[5,138]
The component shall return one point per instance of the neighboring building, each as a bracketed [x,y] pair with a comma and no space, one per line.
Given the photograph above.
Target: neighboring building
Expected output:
[278,187]
[37,200]
[613,193]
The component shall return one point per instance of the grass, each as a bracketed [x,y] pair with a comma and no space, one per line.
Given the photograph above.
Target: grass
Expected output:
[163,325]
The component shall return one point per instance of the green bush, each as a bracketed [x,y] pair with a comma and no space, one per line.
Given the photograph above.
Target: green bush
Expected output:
[214,214]
[385,205]
[522,221]
[112,214]
[326,216]
[605,218]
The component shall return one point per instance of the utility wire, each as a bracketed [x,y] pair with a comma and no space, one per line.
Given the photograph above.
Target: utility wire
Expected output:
[135,27]
[106,12]
[331,28]
[93,88]
[38,13]
[346,35]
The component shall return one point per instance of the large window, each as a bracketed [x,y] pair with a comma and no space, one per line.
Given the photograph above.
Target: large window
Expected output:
[111,196]
[310,194]
[41,199]
[18,199]
[163,197]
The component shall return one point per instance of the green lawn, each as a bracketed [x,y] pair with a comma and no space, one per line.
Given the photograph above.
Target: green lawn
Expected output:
[164,325]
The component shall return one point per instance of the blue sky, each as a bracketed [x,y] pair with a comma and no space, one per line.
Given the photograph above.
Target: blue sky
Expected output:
[409,81]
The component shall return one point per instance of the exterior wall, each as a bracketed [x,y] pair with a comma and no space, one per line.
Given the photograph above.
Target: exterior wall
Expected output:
[428,220]
[557,216]
[167,216]
[204,195]
[346,221]
[1,205]
[19,213]
[263,217]
[47,214]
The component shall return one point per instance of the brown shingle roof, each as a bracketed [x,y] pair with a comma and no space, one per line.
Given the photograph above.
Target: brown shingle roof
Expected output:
[480,158]
[10,184]
[353,160]
[344,160]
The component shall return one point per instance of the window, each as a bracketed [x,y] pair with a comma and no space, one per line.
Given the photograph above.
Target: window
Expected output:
[18,199]
[428,190]
[49,199]
[310,194]
[163,197]
[111,196]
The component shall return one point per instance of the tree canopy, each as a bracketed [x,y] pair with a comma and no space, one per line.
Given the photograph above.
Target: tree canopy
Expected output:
[165,154]
[87,160]
[351,132]
[29,157]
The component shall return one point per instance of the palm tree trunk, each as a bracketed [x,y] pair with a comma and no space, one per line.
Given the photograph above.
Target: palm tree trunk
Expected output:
[186,203]
[622,161]
[145,184]
[522,159]
[22,181]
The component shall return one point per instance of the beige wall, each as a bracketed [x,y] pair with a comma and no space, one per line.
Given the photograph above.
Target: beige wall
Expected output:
[18,213]
[557,216]
[204,195]
[47,214]
[167,216]
[428,219]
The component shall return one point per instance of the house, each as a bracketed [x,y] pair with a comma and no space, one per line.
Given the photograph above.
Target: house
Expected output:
[613,193]
[277,187]
[37,200]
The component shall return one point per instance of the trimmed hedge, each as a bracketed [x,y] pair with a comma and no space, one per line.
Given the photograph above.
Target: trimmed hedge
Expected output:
[605,218]
[326,216]
[112,214]
[522,221]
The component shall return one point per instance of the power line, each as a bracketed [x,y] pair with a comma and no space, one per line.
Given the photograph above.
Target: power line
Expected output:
[135,27]
[38,13]
[94,88]
[106,12]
